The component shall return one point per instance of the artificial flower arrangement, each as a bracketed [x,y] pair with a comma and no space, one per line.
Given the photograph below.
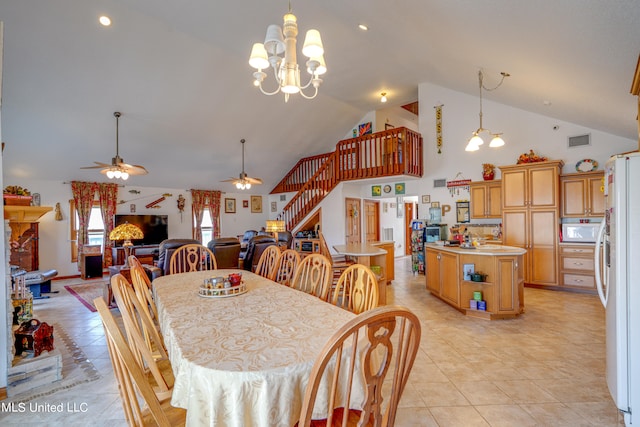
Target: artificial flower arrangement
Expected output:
[488,171]
[531,157]
[16,190]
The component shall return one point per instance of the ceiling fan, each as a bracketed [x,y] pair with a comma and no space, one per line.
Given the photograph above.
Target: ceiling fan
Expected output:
[243,181]
[118,168]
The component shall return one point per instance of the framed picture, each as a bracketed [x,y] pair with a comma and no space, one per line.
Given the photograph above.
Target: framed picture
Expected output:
[283,197]
[256,204]
[468,270]
[376,190]
[132,208]
[245,203]
[35,200]
[274,206]
[435,204]
[229,205]
[365,128]
[462,212]
[400,188]
[426,199]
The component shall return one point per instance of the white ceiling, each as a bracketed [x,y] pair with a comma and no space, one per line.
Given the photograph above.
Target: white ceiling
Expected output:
[178,72]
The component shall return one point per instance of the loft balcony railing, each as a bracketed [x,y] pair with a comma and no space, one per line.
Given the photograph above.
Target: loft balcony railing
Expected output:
[396,151]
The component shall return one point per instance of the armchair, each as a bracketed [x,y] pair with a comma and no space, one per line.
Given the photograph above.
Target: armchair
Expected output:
[256,246]
[226,250]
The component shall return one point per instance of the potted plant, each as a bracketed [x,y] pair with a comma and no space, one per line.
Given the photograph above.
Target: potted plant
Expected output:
[488,171]
[16,196]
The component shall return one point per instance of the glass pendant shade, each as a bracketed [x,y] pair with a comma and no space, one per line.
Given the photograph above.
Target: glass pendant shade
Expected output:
[496,142]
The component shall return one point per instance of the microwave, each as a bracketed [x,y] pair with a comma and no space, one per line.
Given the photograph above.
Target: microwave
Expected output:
[580,232]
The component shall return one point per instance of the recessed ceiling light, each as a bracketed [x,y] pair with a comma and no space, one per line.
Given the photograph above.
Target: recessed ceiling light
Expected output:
[363,27]
[383,97]
[105,20]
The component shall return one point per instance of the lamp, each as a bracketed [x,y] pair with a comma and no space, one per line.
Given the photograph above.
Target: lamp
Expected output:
[275,227]
[476,141]
[126,232]
[285,68]
[383,97]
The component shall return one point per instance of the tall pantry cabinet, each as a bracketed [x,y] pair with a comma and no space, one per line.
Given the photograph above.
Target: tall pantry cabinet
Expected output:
[530,215]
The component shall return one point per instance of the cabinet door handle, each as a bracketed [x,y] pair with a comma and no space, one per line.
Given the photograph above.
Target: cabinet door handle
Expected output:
[579,280]
[577,263]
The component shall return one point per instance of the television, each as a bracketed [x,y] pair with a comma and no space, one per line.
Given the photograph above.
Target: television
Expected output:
[154,227]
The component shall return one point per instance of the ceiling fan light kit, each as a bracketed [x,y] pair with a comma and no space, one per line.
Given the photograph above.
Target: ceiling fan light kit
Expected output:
[243,182]
[118,169]
[280,41]
[476,140]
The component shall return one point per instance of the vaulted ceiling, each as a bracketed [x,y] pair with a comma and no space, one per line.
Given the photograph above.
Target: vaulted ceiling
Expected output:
[178,72]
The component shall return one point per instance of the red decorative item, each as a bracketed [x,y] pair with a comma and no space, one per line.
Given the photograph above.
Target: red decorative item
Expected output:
[531,157]
[488,171]
[15,200]
[155,202]
[34,336]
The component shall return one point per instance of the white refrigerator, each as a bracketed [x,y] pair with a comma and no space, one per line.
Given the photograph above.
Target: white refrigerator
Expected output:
[618,281]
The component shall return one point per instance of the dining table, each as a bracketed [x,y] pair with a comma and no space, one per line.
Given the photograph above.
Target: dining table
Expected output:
[245,359]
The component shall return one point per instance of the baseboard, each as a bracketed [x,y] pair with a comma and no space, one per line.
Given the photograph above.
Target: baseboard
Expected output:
[3,393]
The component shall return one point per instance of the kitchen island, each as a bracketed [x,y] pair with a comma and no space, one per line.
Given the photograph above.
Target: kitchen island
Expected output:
[369,254]
[501,287]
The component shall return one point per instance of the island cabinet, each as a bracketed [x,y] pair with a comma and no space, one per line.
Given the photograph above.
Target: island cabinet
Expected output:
[502,288]
[582,195]
[530,217]
[486,199]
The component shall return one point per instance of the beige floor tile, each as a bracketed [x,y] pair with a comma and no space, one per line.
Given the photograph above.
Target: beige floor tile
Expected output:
[482,393]
[555,414]
[506,416]
[441,394]
[458,416]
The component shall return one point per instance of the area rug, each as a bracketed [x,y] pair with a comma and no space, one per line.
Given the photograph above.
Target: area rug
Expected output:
[76,368]
[87,292]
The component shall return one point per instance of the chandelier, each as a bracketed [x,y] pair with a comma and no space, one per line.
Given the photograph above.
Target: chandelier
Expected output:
[476,141]
[281,41]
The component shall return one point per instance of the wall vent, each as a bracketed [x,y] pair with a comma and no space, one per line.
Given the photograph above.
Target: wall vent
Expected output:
[439,183]
[579,140]
[387,234]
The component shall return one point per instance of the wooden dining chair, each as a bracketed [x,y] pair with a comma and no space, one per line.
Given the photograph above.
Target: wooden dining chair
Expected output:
[313,276]
[132,382]
[267,263]
[143,338]
[376,349]
[142,286]
[192,257]
[339,263]
[286,266]
[356,290]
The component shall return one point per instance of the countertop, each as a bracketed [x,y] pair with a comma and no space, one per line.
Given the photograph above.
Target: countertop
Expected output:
[361,249]
[488,250]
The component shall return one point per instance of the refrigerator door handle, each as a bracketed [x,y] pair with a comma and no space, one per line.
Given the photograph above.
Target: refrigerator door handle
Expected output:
[602,293]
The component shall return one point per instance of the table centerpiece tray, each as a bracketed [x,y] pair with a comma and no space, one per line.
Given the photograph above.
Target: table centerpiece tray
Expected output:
[232,291]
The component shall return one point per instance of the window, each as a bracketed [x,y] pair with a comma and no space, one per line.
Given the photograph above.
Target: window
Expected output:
[96,228]
[207,227]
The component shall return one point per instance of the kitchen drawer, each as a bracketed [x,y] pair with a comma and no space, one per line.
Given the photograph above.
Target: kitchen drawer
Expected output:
[577,250]
[581,280]
[574,263]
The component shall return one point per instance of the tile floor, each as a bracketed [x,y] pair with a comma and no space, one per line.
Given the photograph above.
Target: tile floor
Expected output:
[545,368]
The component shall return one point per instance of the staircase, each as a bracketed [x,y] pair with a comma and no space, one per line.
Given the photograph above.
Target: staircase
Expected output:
[396,151]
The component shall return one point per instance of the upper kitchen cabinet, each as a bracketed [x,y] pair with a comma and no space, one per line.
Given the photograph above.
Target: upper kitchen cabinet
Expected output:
[530,185]
[582,195]
[486,199]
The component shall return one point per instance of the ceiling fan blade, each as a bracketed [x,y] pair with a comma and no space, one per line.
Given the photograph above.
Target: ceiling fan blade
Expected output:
[252,181]
[98,166]
[230,180]
[134,169]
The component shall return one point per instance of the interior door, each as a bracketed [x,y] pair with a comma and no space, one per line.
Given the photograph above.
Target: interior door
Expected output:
[409,215]
[353,233]
[372,221]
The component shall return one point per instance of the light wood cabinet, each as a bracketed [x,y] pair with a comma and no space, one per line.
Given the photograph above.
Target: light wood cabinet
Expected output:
[502,290]
[577,266]
[486,199]
[389,259]
[530,217]
[582,195]
[442,275]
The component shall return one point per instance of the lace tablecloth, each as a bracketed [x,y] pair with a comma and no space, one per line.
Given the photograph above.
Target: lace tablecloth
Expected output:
[243,360]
